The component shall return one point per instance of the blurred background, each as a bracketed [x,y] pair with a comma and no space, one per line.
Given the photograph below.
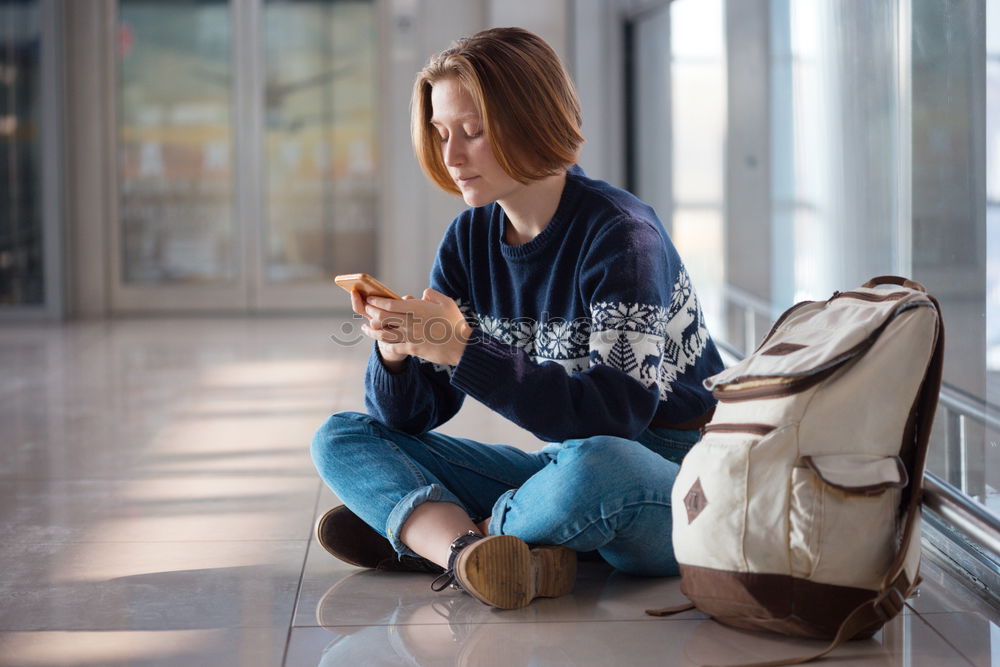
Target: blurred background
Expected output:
[166,158]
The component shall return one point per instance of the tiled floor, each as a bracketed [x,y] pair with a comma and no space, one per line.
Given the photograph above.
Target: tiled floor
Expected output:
[156,502]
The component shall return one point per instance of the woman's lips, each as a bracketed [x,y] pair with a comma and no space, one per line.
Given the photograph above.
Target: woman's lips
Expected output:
[462,180]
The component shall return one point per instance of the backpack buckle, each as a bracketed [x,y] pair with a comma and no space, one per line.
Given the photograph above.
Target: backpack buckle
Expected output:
[889,604]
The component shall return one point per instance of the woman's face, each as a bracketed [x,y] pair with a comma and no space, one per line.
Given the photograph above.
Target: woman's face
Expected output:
[465,148]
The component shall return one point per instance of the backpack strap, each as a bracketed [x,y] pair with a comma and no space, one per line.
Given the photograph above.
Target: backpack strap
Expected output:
[895,280]
[925,408]
[880,609]
[670,611]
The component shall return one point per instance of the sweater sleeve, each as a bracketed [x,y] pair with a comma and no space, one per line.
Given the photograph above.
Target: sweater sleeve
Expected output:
[415,400]
[624,279]
[420,397]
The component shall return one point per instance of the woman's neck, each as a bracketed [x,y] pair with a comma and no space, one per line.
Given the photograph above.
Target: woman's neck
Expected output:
[530,210]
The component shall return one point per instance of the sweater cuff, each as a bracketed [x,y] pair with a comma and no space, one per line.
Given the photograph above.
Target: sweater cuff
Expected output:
[390,384]
[483,362]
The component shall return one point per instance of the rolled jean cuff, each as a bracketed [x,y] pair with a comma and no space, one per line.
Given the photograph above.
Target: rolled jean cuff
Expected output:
[401,512]
[500,508]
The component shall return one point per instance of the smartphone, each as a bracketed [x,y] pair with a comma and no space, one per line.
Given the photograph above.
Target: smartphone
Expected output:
[365,284]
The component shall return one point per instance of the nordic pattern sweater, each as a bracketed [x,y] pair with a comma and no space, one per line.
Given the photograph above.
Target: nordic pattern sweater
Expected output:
[591,328]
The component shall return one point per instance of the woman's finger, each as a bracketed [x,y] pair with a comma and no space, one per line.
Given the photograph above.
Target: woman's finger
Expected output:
[358,302]
[383,335]
[378,319]
[383,319]
[385,303]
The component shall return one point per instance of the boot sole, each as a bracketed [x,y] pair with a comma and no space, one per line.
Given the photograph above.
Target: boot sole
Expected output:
[504,572]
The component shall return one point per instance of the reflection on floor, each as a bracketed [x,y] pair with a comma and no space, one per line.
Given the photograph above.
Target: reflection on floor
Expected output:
[157,498]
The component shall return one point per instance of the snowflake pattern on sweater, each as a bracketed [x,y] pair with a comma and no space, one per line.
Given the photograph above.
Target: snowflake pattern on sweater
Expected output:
[650,343]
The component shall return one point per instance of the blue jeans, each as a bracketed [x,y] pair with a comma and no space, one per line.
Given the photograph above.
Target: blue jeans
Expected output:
[603,493]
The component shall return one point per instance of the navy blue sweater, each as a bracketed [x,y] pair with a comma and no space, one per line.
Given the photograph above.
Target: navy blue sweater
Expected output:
[591,328]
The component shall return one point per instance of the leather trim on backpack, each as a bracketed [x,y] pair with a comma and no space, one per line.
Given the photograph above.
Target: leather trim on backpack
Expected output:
[782,349]
[775,602]
[918,431]
[895,280]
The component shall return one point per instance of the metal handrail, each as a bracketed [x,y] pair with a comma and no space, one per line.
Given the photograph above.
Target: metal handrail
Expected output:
[728,349]
[982,527]
[965,406]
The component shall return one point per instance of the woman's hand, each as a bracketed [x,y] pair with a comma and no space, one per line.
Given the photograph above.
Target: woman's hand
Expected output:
[392,360]
[432,328]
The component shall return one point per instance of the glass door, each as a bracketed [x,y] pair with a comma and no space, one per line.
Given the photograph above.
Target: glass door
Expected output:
[679,114]
[246,153]
[30,176]
[319,177]
[180,245]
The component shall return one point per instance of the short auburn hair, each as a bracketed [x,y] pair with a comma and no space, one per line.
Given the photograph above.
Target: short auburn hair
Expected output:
[526,99]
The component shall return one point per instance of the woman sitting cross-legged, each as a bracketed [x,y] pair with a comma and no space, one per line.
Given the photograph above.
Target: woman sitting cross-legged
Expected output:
[557,300]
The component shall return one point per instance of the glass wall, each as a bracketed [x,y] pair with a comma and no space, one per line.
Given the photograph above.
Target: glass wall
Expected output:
[949,228]
[992,441]
[320,138]
[175,142]
[22,265]
[247,151]
[883,128]
[880,164]
[678,145]
[836,152]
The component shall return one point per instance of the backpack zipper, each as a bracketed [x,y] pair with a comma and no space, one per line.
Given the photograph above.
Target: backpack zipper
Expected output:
[780,389]
[756,429]
[865,296]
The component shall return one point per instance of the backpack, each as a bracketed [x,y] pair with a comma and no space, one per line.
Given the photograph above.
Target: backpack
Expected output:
[799,510]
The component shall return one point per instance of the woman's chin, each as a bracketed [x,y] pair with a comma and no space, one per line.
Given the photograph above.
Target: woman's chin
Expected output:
[475,199]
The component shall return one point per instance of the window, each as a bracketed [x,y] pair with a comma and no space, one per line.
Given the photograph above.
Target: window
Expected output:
[882,156]
[678,145]
[22,260]
[246,144]
[992,144]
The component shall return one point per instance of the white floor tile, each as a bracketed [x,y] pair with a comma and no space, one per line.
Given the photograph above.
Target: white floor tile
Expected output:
[633,643]
[972,635]
[158,509]
[151,586]
[240,647]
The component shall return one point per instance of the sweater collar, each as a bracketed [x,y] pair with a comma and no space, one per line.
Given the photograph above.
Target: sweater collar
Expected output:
[563,214]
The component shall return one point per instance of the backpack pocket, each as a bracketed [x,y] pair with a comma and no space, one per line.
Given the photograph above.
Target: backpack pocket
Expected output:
[716,490]
[842,517]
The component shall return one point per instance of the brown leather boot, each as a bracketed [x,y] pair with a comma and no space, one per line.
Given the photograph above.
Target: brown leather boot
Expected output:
[504,572]
[342,533]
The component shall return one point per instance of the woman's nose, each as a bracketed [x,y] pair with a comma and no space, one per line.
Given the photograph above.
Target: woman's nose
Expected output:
[453,153]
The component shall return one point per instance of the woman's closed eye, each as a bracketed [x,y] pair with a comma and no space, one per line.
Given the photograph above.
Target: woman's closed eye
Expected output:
[465,135]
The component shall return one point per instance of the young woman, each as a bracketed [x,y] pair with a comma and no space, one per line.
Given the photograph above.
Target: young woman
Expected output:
[558,301]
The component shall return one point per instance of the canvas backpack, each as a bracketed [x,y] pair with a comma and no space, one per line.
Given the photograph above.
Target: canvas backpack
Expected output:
[799,510]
